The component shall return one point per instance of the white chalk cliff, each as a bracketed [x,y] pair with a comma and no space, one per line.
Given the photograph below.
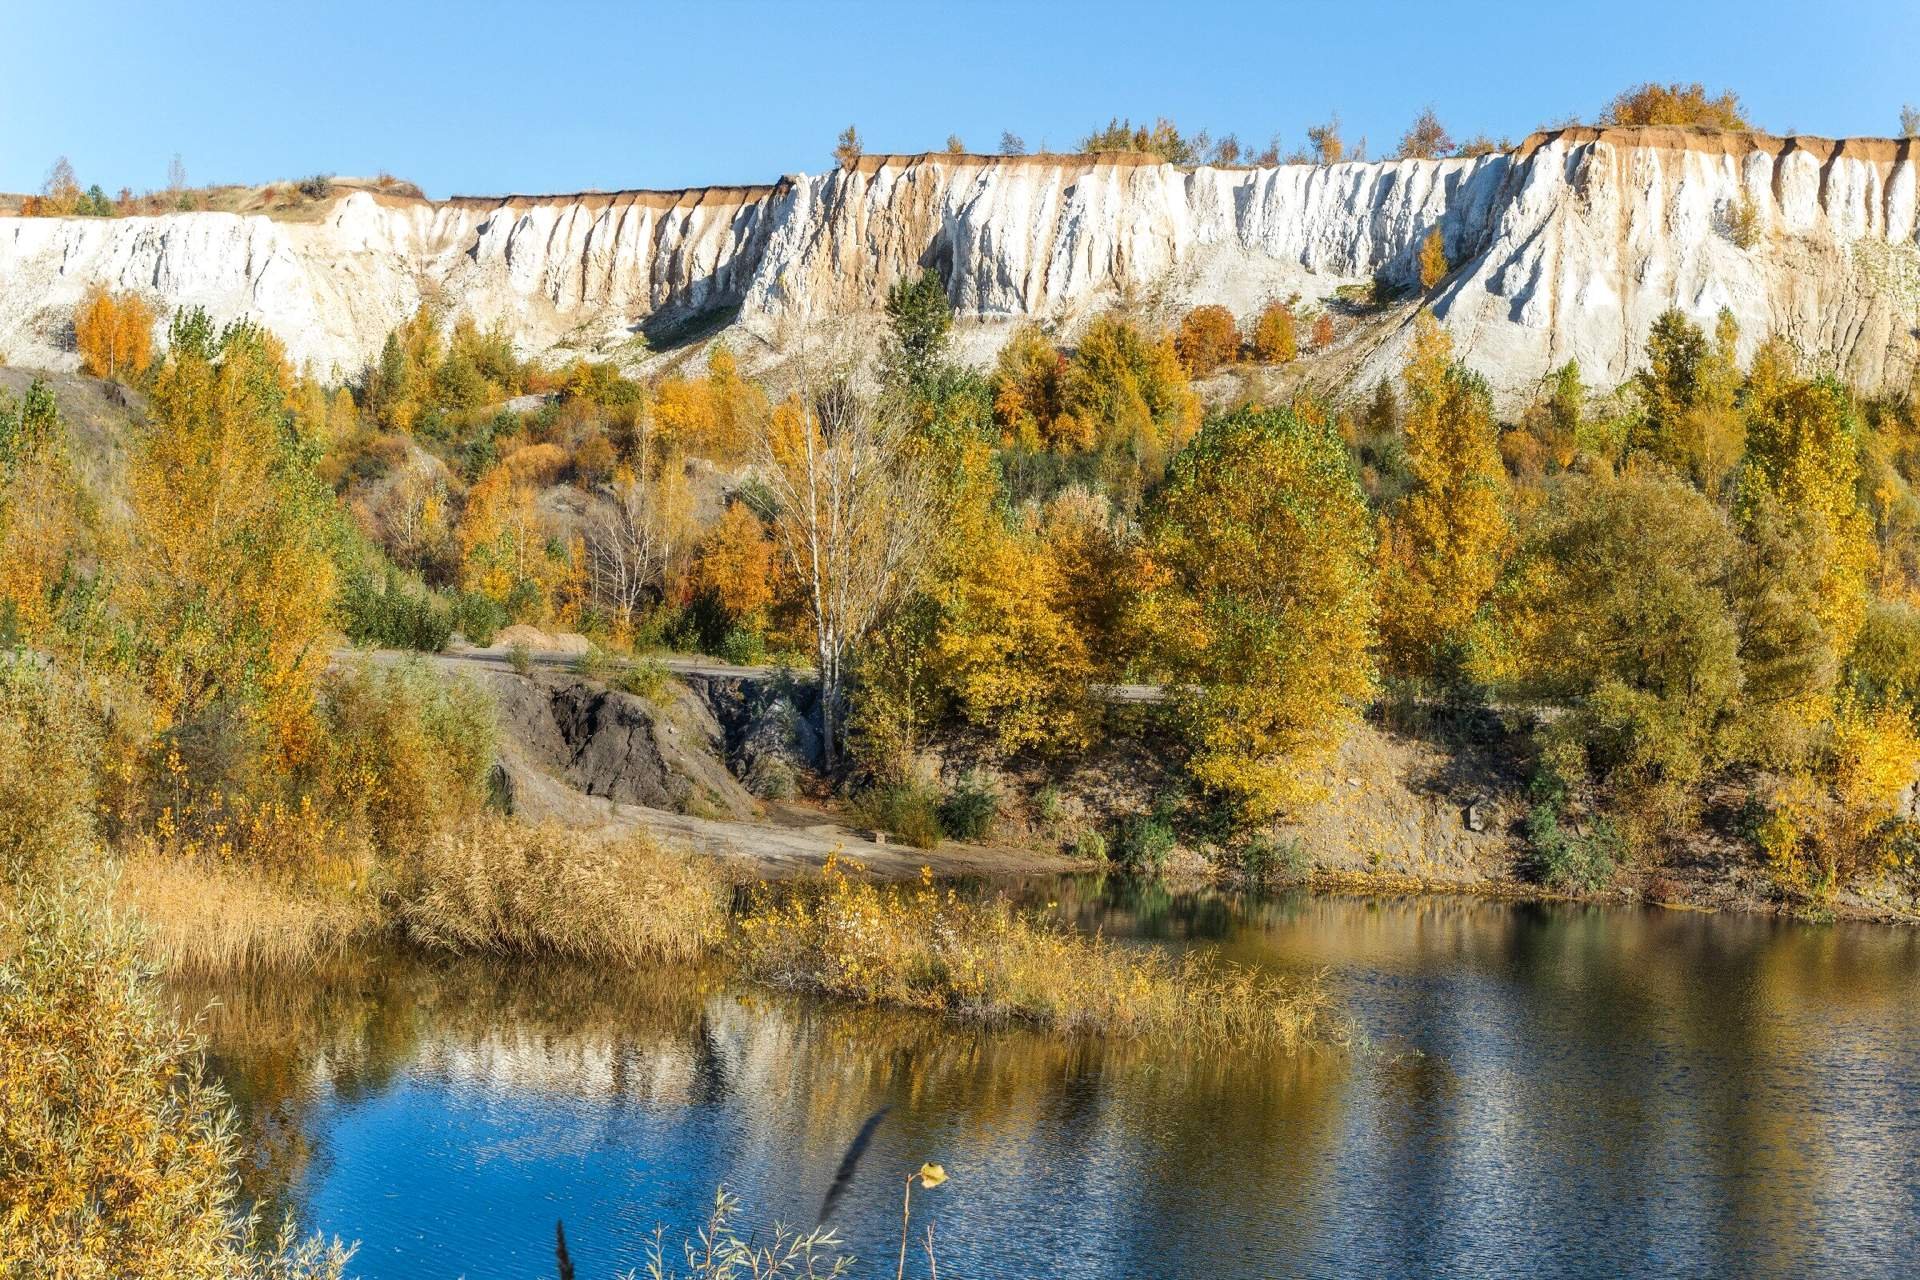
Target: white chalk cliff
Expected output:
[1565,248]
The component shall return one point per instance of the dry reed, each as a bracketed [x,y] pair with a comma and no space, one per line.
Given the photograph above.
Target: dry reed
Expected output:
[202,917]
[929,947]
[495,885]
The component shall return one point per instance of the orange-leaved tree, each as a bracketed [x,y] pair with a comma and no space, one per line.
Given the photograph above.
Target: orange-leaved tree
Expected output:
[735,565]
[114,332]
[1207,339]
[1275,334]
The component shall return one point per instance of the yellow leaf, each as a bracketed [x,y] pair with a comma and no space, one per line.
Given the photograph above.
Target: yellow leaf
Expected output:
[931,1175]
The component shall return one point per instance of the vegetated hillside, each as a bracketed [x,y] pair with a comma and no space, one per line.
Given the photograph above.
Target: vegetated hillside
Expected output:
[1675,615]
[1564,248]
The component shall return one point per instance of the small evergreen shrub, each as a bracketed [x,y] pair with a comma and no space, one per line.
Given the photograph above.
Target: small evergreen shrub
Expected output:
[1265,859]
[1142,843]
[742,646]
[969,810]
[1568,860]
[1090,846]
[478,618]
[394,614]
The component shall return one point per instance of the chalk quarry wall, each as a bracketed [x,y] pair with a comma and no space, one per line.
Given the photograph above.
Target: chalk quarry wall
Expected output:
[1565,248]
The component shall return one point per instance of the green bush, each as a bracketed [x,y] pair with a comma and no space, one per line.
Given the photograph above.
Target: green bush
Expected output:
[409,750]
[643,678]
[1570,861]
[908,811]
[1142,843]
[478,618]
[969,810]
[1090,846]
[392,613]
[742,646]
[1266,859]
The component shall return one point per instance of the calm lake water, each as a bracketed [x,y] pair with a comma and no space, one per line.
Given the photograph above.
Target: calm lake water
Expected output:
[1545,1090]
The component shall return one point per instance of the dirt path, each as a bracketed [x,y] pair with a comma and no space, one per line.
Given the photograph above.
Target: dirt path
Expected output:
[778,853]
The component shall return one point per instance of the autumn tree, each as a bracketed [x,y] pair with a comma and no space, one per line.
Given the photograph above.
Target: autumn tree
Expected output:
[849,521]
[717,416]
[638,533]
[1433,260]
[1801,471]
[1006,647]
[1325,142]
[1257,603]
[1028,400]
[1426,138]
[1323,331]
[1675,104]
[60,193]
[1207,339]
[39,513]
[736,565]
[114,333]
[847,149]
[1446,540]
[232,576]
[1275,339]
[1131,392]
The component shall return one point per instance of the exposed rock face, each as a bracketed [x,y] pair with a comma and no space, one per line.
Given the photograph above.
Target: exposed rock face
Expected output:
[613,745]
[770,729]
[1566,248]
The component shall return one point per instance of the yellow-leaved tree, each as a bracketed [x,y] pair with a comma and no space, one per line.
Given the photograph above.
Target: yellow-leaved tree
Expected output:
[231,584]
[1445,542]
[1007,648]
[1257,603]
[1689,387]
[114,332]
[850,521]
[39,512]
[503,544]
[1803,466]
[1130,392]
[715,416]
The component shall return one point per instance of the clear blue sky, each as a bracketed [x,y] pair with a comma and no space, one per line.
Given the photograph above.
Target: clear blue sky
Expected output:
[483,97]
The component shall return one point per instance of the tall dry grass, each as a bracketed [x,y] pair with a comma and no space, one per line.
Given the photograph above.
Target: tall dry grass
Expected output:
[930,947]
[495,885]
[203,917]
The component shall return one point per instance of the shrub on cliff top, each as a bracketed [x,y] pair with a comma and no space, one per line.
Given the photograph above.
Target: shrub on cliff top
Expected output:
[1676,104]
